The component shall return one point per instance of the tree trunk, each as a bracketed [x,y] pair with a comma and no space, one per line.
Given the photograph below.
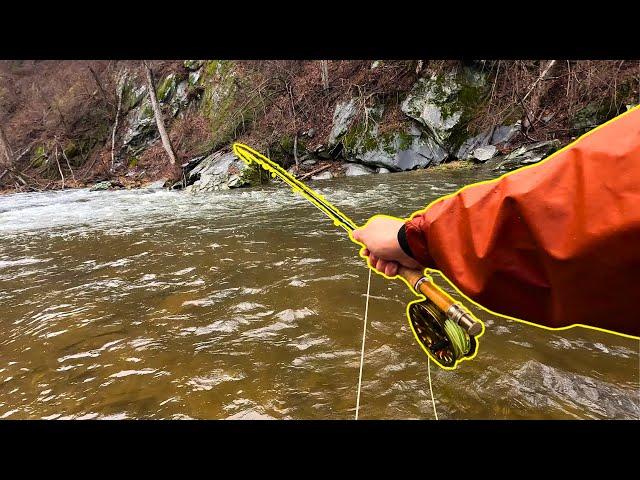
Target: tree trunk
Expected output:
[166,143]
[537,91]
[6,154]
[105,97]
[120,88]
[324,71]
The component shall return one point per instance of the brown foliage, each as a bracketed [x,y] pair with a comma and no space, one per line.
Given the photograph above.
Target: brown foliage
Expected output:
[569,87]
[49,103]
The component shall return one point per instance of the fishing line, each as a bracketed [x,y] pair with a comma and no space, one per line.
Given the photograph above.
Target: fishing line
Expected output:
[433,400]
[364,335]
[458,338]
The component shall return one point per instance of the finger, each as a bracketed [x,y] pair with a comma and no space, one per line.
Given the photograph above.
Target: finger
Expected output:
[357,235]
[365,252]
[373,260]
[391,269]
[380,265]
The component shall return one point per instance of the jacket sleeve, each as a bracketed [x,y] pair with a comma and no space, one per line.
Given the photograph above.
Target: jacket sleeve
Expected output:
[555,244]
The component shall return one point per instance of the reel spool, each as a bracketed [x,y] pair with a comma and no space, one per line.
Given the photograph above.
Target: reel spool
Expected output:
[444,340]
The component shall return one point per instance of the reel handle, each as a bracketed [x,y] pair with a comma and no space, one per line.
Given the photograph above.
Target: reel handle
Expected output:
[454,311]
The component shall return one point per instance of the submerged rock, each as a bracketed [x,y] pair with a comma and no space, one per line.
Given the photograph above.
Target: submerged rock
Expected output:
[222,171]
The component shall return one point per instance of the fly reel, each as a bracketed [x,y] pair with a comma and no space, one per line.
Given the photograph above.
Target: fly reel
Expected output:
[445,341]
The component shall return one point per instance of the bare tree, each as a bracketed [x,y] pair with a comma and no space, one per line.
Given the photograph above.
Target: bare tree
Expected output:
[105,97]
[166,143]
[324,72]
[6,154]
[120,88]
[537,91]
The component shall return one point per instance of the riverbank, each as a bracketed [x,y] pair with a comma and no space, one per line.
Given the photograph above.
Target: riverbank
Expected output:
[94,122]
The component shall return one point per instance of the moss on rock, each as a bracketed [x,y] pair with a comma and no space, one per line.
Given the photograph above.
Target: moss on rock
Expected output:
[39,156]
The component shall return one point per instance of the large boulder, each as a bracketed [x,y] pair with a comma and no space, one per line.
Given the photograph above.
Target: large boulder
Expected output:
[395,151]
[505,133]
[222,171]
[471,144]
[354,170]
[523,156]
[141,129]
[157,185]
[501,135]
[106,185]
[326,175]
[482,154]
[443,104]
[343,115]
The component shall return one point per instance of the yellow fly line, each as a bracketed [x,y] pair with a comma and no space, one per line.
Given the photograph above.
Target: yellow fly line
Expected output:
[249,155]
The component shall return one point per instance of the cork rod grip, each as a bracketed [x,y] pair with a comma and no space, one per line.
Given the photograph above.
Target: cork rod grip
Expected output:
[427,288]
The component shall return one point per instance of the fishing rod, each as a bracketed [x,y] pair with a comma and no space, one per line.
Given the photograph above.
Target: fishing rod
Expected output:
[444,328]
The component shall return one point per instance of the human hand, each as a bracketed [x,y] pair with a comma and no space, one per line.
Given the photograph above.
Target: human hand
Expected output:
[380,239]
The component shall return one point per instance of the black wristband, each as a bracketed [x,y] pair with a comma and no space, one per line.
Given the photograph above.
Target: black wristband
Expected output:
[402,240]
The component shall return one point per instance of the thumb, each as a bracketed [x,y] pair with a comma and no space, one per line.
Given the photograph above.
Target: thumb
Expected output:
[357,235]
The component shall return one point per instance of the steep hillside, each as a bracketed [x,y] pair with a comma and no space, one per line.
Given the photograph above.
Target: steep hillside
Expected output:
[75,123]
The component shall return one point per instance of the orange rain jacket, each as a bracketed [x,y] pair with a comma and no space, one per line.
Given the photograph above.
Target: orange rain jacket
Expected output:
[555,244]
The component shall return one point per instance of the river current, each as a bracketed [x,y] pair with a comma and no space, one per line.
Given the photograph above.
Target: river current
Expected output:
[249,304]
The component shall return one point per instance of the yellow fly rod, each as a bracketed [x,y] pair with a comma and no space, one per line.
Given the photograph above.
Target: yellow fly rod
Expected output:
[445,329]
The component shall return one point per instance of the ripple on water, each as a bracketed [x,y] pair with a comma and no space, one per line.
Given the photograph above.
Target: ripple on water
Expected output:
[126,373]
[212,380]
[542,386]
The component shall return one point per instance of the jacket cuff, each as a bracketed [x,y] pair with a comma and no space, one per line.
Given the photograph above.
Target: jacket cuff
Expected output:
[402,240]
[417,242]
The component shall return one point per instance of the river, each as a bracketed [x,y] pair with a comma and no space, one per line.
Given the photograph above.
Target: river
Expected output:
[249,304]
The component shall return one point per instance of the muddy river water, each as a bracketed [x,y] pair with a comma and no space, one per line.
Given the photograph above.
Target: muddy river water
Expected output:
[249,304]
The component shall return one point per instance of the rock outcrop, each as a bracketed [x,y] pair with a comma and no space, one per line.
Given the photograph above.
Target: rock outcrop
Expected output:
[222,171]
[522,156]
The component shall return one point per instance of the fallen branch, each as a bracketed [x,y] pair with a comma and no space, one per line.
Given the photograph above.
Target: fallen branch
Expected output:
[18,177]
[59,169]
[317,170]
[295,150]
[24,152]
[68,165]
